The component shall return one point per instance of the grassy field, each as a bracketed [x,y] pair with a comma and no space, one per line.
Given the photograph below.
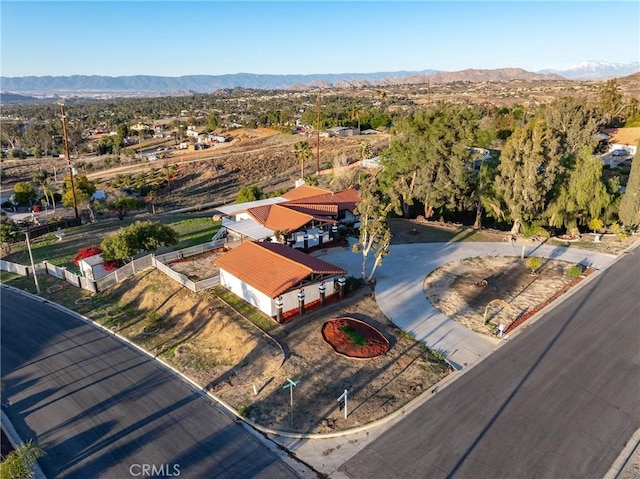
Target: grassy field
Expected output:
[191,230]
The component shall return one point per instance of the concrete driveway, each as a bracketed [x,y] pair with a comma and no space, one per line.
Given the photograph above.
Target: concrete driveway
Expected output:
[400,295]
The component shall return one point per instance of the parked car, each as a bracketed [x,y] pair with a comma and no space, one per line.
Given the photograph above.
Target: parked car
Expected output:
[620,152]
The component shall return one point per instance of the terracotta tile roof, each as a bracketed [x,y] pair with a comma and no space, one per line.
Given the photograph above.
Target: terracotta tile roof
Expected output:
[304,191]
[273,268]
[280,218]
[345,199]
[623,136]
[314,210]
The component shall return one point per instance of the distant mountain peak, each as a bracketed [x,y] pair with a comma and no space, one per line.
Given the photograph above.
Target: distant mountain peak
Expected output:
[596,70]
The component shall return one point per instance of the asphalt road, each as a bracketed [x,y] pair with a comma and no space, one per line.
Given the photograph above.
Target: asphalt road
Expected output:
[102,409]
[559,400]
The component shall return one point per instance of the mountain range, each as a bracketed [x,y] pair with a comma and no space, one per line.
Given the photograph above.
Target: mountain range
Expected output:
[148,85]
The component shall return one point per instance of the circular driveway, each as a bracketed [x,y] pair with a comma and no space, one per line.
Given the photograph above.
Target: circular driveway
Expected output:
[400,295]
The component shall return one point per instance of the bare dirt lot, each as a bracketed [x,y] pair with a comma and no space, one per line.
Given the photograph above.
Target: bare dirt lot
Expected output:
[228,355]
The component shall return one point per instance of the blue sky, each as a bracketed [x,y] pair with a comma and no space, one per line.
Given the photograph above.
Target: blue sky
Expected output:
[170,38]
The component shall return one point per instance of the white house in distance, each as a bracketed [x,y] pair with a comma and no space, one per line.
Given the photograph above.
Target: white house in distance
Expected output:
[267,274]
[302,218]
[623,139]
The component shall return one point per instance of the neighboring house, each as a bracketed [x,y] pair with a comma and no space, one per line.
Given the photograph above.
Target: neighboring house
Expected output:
[282,274]
[192,133]
[343,131]
[301,218]
[623,139]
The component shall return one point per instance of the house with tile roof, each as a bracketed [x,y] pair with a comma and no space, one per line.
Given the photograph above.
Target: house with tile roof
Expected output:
[302,218]
[273,277]
[623,139]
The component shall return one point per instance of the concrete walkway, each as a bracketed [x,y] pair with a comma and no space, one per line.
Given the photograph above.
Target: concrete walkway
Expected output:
[400,295]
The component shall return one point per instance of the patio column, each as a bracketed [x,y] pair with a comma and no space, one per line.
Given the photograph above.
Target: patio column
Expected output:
[334,232]
[342,281]
[305,238]
[301,301]
[279,304]
[320,237]
[323,290]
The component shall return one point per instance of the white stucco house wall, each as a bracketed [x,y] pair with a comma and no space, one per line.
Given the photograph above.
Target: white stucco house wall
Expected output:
[282,274]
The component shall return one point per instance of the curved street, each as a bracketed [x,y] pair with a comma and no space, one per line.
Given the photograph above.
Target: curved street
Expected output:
[102,409]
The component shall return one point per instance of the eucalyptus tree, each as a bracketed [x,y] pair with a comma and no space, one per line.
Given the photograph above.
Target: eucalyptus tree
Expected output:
[375,233]
[529,165]
[427,159]
[629,212]
[582,195]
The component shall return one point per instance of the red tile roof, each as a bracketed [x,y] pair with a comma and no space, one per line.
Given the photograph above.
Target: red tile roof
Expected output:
[280,218]
[304,191]
[273,268]
[345,199]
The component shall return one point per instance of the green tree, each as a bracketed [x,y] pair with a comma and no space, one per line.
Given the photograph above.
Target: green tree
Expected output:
[83,187]
[303,153]
[629,212]
[375,234]
[42,179]
[138,237]
[123,205]
[8,233]
[249,193]
[529,165]
[24,193]
[19,463]
[582,195]
[427,159]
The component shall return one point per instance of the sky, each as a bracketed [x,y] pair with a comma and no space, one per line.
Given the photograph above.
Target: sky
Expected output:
[176,38]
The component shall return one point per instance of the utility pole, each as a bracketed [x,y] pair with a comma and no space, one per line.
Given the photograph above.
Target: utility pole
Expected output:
[66,150]
[318,136]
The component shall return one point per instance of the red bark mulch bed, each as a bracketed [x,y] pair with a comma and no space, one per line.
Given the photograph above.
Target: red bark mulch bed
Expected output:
[344,333]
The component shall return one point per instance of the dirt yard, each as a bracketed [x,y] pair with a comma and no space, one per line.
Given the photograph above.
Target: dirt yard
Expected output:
[228,355]
[503,287]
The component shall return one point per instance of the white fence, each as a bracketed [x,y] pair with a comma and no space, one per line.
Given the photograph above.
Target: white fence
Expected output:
[126,271]
[14,268]
[193,251]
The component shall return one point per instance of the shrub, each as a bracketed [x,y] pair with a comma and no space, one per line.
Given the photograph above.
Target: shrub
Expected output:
[354,336]
[575,271]
[533,263]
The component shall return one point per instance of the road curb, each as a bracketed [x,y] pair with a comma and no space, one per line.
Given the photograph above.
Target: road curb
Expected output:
[15,441]
[617,468]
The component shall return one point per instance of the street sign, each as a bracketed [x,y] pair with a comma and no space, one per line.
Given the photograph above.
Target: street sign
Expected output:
[290,384]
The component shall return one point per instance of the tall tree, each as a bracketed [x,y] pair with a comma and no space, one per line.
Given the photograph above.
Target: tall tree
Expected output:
[529,165]
[303,153]
[375,234]
[582,195]
[427,159]
[630,204]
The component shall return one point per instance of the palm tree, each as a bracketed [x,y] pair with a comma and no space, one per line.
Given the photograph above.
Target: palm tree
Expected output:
[42,179]
[303,153]
[19,463]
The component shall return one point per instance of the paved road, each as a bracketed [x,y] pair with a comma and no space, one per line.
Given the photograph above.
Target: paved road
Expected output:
[104,410]
[559,400]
